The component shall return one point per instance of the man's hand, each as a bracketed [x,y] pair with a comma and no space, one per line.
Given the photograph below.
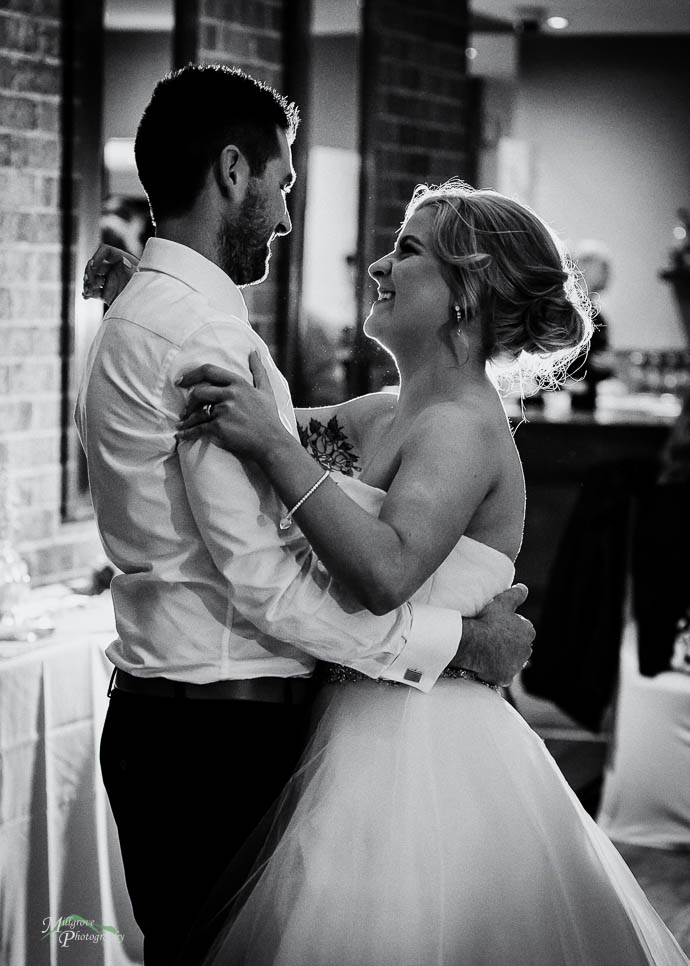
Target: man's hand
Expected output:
[497,643]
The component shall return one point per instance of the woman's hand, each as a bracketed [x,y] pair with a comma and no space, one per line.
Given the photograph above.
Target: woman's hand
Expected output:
[225,408]
[107,272]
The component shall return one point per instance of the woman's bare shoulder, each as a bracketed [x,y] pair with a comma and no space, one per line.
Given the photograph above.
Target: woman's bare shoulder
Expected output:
[364,410]
[356,415]
[446,441]
[456,425]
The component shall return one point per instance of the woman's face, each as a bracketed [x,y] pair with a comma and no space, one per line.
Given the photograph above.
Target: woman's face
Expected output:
[414,299]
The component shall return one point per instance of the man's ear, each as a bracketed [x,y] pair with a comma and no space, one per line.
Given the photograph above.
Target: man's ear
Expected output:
[232,172]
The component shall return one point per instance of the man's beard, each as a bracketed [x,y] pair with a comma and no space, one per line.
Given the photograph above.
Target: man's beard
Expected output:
[244,246]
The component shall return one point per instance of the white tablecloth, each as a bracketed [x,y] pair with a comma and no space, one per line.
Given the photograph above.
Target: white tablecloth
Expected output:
[646,796]
[59,855]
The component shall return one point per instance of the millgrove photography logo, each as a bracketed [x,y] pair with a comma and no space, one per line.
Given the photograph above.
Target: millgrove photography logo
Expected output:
[74,929]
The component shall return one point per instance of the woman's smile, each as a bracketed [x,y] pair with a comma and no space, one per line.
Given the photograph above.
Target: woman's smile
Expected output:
[409,281]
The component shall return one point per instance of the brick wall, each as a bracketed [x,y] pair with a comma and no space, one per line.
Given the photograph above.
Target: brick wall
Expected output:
[416,122]
[30,289]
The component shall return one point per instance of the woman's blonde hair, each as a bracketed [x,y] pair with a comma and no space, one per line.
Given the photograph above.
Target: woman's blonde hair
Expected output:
[507,268]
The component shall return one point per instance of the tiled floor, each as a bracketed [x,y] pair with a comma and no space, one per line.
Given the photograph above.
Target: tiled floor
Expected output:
[663,875]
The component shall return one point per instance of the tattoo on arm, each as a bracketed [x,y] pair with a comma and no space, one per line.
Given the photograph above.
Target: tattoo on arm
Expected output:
[329,445]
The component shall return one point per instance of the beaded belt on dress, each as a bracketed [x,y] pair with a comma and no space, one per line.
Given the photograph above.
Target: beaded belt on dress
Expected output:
[339,674]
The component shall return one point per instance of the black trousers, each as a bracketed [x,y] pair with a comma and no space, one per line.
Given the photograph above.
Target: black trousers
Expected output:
[188,781]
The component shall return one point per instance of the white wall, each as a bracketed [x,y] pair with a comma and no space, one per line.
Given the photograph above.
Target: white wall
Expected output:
[332,211]
[607,123]
[134,63]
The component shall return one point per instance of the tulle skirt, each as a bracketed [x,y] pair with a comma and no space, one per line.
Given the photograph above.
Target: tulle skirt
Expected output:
[436,830]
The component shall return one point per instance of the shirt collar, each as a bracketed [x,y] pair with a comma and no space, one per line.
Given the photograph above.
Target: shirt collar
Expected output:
[196,271]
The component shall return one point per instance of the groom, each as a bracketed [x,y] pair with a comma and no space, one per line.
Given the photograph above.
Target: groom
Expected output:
[220,615]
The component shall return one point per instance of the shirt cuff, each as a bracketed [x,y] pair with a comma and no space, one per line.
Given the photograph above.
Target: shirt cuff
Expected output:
[431,645]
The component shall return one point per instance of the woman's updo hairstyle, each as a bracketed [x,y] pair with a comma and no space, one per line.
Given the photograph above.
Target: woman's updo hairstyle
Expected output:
[506,267]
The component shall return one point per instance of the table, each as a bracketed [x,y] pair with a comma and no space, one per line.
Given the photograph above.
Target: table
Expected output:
[59,855]
[557,454]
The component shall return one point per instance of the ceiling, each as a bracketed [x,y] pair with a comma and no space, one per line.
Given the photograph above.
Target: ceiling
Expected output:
[342,16]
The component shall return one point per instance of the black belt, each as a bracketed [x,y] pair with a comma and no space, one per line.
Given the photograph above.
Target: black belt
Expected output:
[277,690]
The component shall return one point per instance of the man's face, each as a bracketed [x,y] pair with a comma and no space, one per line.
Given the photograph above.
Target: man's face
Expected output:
[245,240]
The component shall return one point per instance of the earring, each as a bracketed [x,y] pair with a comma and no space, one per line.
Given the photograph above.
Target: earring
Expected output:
[458,316]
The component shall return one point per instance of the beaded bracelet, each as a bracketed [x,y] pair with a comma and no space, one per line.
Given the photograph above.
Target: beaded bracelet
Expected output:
[286,521]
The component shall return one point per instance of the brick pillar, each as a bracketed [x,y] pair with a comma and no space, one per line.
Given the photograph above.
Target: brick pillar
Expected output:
[30,272]
[417,109]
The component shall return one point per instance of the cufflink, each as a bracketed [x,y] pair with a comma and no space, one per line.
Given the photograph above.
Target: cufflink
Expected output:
[412,675]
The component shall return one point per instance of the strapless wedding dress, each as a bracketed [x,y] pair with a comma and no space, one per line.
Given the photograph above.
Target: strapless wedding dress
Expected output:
[436,830]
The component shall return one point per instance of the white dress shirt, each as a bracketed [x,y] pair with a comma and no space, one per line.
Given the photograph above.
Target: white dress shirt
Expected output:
[210,588]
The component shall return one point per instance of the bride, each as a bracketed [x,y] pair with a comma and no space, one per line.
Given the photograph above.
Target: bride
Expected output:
[432,828]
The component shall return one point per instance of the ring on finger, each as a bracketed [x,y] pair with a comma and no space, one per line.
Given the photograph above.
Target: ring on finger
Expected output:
[208,409]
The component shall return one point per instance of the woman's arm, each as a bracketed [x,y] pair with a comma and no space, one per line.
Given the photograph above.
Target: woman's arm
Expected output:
[427,508]
[446,469]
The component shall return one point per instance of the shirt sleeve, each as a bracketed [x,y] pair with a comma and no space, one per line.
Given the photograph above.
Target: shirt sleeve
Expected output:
[275,579]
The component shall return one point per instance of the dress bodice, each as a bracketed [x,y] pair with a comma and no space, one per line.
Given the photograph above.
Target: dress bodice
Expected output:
[470,576]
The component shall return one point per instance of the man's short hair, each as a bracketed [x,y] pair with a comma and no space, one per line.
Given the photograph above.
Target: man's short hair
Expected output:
[194,112]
